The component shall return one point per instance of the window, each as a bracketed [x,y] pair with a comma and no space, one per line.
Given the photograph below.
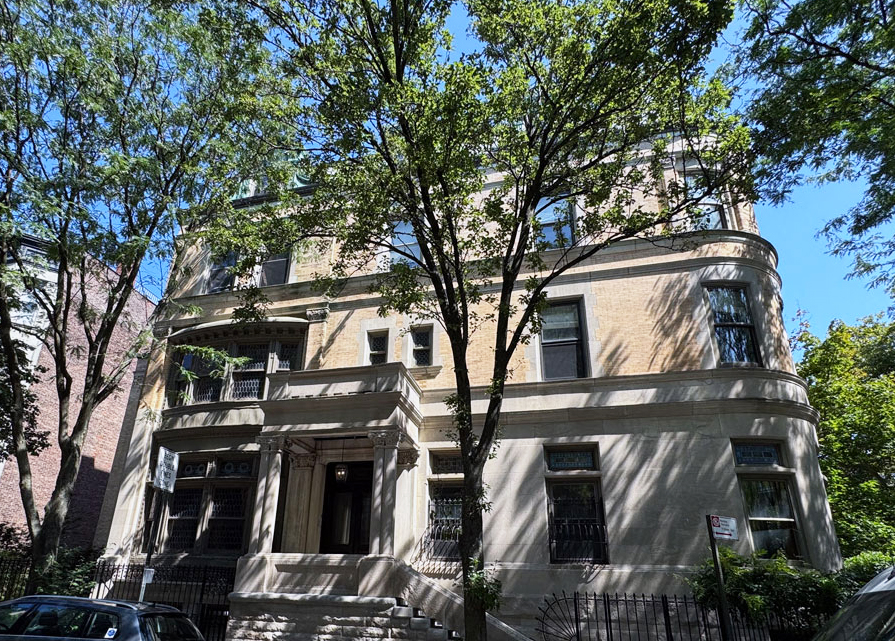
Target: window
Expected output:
[220,274]
[404,241]
[557,222]
[248,378]
[576,523]
[208,511]
[377,345]
[768,502]
[445,512]
[170,627]
[274,270]
[734,330]
[205,382]
[57,621]
[194,381]
[10,613]
[446,463]
[562,349]
[577,530]
[708,212]
[421,337]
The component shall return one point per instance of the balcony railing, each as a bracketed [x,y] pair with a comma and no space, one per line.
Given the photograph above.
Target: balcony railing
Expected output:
[577,532]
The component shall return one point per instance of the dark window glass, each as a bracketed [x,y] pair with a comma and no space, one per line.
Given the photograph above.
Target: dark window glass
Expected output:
[378,345]
[289,356]
[576,525]
[11,613]
[171,627]
[248,378]
[561,345]
[183,519]
[101,624]
[227,522]
[422,346]
[771,517]
[57,621]
[220,275]
[274,270]
[733,325]
[192,469]
[237,467]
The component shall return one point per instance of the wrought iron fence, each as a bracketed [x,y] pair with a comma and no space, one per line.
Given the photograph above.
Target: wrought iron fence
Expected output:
[649,617]
[13,577]
[199,591]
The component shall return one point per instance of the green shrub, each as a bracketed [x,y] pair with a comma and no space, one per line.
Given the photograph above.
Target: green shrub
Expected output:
[72,574]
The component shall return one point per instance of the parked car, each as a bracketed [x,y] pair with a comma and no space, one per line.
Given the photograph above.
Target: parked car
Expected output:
[868,616]
[53,617]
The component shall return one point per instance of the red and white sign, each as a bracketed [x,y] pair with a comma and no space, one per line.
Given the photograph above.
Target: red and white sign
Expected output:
[724,528]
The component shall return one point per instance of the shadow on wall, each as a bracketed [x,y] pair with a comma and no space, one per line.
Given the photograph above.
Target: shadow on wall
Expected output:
[86,504]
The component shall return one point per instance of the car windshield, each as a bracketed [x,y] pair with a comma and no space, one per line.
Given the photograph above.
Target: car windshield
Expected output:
[12,612]
[171,627]
[868,617]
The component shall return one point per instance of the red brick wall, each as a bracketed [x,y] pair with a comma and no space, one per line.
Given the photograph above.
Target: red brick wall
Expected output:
[99,446]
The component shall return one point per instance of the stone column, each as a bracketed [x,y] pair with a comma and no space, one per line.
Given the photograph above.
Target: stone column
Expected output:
[266,495]
[385,477]
[298,502]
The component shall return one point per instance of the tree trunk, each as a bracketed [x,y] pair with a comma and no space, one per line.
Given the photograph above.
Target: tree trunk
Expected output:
[472,554]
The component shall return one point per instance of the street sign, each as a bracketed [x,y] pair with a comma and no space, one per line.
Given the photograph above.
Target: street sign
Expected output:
[165,470]
[724,528]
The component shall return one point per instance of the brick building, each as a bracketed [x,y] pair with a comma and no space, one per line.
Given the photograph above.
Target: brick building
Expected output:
[87,523]
[660,389]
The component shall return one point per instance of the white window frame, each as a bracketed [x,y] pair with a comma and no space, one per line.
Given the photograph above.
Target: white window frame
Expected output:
[751,327]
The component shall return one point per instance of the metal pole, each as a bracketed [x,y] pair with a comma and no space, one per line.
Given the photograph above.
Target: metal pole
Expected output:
[153,535]
[723,613]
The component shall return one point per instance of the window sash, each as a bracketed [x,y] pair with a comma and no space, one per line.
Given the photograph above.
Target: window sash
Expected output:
[562,349]
[734,329]
[377,343]
[771,517]
[274,270]
[576,523]
[557,221]
[220,278]
[422,346]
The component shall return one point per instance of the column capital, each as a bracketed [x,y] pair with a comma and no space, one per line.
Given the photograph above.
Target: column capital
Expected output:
[385,438]
[302,461]
[317,314]
[408,458]
[270,443]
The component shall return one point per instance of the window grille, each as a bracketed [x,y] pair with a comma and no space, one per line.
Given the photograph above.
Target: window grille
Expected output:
[445,513]
[448,463]
[183,519]
[239,467]
[576,526]
[227,522]
[289,356]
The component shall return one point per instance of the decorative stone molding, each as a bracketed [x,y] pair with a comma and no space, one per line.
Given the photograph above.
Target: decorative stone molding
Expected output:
[270,443]
[318,314]
[408,458]
[302,461]
[385,438]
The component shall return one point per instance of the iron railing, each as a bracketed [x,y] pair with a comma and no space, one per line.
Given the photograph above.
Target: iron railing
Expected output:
[199,591]
[650,617]
[13,577]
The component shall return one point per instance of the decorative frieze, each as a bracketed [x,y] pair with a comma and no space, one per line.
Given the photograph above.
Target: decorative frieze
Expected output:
[302,461]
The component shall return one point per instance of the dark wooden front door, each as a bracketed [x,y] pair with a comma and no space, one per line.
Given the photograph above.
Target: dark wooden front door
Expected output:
[346,510]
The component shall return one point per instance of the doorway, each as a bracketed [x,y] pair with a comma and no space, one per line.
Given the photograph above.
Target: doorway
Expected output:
[346,509]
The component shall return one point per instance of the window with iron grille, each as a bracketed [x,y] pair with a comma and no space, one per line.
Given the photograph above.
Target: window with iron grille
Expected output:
[421,337]
[289,356]
[226,524]
[248,378]
[577,527]
[562,347]
[445,512]
[734,330]
[194,380]
[377,344]
[183,519]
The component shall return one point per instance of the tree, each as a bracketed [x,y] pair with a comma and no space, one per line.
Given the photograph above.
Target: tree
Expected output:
[851,382]
[567,106]
[120,123]
[823,110]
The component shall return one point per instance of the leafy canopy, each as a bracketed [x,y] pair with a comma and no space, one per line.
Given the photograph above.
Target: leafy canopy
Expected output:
[851,382]
[824,109]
